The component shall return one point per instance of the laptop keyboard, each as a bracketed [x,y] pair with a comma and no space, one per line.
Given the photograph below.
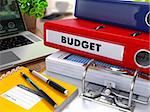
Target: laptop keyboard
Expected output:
[13,42]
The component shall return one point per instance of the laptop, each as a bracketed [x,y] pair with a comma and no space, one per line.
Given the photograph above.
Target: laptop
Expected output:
[17,45]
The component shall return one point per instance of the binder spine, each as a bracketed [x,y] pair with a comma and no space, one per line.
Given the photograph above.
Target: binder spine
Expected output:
[134,15]
[9,73]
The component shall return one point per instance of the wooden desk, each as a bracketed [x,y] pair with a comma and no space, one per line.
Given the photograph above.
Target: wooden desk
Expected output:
[37,32]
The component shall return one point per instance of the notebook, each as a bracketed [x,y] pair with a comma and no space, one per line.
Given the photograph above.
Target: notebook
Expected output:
[15,99]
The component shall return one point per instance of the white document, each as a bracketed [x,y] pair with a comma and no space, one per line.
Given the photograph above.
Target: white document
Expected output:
[22,97]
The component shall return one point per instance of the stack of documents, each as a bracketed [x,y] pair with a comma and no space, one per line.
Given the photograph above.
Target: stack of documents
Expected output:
[73,66]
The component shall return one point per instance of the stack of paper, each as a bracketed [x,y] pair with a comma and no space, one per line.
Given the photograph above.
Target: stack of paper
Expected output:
[73,66]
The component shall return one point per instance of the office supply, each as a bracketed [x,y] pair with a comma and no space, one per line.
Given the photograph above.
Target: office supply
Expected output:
[110,95]
[129,14]
[15,41]
[50,82]
[71,65]
[21,97]
[44,95]
[14,78]
[110,44]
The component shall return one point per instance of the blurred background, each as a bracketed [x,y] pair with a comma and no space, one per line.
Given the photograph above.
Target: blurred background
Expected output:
[57,9]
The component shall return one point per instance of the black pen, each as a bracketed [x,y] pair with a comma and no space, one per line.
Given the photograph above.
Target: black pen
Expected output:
[44,95]
[50,82]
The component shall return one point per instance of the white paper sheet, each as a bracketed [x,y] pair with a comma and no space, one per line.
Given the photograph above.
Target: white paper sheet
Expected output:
[22,97]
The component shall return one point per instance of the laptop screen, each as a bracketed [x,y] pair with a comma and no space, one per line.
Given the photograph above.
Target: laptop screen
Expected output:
[10,18]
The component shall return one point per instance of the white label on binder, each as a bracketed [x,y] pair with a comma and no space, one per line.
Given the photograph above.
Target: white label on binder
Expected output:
[21,97]
[92,46]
